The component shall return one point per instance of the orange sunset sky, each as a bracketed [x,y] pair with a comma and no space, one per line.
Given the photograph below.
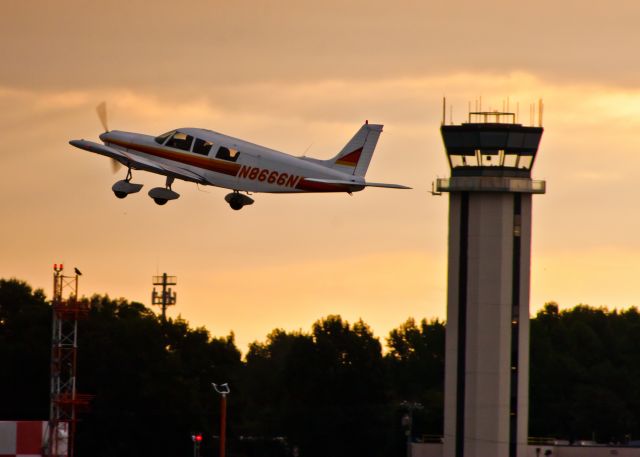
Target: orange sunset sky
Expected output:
[301,77]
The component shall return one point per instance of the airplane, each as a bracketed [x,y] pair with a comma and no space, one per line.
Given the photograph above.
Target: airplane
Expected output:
[210,158]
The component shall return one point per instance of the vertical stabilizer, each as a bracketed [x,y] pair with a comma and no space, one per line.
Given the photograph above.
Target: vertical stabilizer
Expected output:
[356,155]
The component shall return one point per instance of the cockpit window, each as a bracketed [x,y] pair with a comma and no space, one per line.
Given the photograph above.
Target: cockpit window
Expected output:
[202,147]
[162,138]
[229,154]
[180,140]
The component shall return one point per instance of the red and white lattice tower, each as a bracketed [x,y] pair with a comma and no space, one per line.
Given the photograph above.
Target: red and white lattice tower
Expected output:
[65,401]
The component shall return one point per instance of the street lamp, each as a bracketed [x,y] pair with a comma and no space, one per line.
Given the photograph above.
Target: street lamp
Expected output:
[407,421]
[223,390]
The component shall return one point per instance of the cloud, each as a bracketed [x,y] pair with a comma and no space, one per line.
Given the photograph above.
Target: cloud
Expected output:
[406,100]
[389,245]
[203,44]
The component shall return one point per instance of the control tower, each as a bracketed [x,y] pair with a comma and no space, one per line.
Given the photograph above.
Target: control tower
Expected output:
[487,339]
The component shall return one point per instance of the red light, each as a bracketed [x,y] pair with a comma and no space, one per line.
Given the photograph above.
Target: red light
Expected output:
[198,438]
[61,267]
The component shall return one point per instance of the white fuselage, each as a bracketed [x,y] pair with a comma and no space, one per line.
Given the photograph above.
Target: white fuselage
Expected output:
[248,167]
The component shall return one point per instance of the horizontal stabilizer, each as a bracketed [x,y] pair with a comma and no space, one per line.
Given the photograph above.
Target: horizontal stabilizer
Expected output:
[387,185]
[357,184]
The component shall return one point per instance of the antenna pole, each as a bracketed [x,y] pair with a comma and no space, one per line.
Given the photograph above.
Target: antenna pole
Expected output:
[540,108]
[167,297]
[444,110]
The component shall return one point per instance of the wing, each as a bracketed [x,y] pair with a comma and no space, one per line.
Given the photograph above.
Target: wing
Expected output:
[357,184]
[140,163]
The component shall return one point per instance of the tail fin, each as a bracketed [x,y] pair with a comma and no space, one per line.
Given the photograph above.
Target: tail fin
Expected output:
[356,155]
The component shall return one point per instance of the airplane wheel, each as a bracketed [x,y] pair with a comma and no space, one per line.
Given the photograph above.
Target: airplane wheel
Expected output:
[160,201]
[235,202]
[120,194]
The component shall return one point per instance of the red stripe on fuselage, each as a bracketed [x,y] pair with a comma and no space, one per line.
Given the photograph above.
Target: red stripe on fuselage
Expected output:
[312,186]
[219,166]
[231,169]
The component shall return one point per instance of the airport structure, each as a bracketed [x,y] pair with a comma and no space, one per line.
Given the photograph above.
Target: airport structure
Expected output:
[166,297]
[65,401]
[487,342]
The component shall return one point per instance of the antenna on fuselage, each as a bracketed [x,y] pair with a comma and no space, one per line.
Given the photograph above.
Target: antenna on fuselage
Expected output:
[304,154]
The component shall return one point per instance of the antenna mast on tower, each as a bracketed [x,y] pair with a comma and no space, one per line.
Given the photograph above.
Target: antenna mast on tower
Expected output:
[167,297]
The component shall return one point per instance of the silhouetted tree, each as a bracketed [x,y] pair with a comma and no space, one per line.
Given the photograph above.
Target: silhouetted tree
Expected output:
[416,368]
[25,344]
[329,391]
[327,388]
[585,368]
[152,382]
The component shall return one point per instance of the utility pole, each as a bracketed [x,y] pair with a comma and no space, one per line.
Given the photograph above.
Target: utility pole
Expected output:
[166,297]
[223,390]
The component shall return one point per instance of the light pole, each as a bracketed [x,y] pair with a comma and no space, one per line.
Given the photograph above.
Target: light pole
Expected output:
[406,424]
[223,390]
[407,421]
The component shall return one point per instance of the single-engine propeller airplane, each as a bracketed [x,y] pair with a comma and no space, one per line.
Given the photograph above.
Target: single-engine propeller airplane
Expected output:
[210,158]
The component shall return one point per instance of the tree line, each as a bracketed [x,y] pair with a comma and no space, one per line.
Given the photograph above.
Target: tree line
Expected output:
[331,391]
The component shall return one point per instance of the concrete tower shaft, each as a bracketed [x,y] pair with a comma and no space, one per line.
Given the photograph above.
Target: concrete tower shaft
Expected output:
[487,341]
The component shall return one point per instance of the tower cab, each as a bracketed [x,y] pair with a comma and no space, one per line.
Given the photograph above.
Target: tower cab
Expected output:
[491,144]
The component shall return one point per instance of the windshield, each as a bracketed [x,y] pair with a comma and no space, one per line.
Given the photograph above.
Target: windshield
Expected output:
[180,140]
[162,138]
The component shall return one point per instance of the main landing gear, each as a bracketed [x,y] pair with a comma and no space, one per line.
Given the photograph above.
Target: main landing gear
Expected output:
[237,200]
[162,195]
[125,187]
